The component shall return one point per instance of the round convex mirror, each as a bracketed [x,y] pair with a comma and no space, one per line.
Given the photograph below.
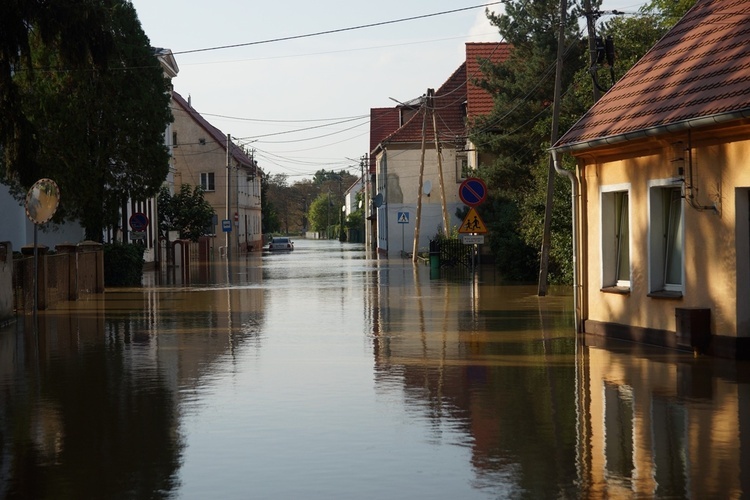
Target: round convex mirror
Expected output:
[42,201]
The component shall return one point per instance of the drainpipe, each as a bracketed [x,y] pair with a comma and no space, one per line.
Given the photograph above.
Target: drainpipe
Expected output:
[574,206]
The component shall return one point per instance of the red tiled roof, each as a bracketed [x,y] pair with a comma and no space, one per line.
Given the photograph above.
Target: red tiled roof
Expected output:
[480,102]
[448,102]
[383,122]
[699,70]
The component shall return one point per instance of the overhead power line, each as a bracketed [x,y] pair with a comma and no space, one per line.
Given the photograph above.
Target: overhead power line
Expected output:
[330,32]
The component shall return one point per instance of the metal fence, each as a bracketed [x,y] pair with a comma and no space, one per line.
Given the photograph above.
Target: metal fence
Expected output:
[451,252]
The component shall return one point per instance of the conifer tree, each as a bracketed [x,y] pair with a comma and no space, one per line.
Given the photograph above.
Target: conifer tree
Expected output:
[517,133]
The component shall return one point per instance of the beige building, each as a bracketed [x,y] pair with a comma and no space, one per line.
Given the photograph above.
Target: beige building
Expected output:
[663,212]
[427,135]
[231,182]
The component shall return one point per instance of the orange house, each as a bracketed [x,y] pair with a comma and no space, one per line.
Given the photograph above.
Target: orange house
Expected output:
[662,191]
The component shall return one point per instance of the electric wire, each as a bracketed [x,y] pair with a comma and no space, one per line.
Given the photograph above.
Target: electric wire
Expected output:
[333,31]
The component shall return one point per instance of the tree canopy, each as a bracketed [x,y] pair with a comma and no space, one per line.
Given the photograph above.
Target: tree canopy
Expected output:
[88,111]
[187,212]
[288,208]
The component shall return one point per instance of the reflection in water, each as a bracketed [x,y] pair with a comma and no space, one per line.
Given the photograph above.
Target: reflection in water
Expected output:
[90,407]
[325,374]
[495,364]
[662,424]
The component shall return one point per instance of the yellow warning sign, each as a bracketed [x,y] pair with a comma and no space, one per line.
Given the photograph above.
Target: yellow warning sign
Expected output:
[472,223]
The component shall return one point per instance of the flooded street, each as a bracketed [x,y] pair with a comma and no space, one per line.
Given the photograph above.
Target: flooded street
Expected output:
[321,374]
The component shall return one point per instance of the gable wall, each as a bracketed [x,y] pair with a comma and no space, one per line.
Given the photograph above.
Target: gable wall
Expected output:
[402,189]
[191,158]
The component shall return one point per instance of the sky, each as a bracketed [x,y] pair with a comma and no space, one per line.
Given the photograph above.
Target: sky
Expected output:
[303,104]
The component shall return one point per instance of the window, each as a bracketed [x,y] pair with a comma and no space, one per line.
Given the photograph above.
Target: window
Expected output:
[174,139]
[462,167]
[665,238]
[615,236]
[207,181]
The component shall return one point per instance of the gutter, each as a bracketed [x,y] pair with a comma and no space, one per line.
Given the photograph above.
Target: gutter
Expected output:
[574,203]
[692,123]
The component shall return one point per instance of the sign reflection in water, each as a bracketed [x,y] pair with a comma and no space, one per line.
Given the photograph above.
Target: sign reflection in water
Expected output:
[324,373]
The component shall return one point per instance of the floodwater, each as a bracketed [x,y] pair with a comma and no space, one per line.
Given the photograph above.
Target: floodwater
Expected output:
[324,374]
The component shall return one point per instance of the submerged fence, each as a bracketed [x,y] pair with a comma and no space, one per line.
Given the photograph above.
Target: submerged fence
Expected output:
[61,276]
[451,252]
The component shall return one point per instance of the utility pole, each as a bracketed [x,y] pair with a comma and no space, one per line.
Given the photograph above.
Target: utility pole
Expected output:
[444,205]
[591,28]
[415,247]
[544,261]
[229,169]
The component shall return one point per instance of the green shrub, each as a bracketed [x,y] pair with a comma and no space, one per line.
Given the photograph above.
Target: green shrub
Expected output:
[123,264]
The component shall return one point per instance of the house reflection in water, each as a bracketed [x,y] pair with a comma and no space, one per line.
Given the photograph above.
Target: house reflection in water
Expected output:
[654,423]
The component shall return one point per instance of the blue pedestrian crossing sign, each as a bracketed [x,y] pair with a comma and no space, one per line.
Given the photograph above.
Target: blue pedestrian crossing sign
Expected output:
[403,217]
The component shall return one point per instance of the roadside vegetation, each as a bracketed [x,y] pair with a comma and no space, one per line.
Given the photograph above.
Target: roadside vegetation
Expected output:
[517,133]
[309,205]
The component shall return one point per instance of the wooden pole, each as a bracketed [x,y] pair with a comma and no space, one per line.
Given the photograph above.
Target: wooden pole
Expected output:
[544,260]
[444,205]
[415,247]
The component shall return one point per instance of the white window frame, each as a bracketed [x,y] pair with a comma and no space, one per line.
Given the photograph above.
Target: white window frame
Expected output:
[462,166]
[658,233]
[208,181]
[613,248]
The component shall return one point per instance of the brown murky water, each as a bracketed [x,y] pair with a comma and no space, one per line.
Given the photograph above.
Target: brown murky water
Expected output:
[322,374]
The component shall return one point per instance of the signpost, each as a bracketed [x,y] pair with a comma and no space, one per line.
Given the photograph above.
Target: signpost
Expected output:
[42,201]
[403,219]
[473,239]
[472,223]
[472,191]
[138,222]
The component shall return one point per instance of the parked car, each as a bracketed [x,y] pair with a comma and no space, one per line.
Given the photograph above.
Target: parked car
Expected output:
[280,243]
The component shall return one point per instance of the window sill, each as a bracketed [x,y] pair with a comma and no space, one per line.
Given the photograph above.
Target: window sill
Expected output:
[665,294]
[619,290]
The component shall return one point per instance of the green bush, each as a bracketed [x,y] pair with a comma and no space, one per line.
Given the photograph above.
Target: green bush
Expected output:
[123,264]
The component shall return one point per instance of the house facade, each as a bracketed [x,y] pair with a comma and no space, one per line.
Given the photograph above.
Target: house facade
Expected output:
[420,152]
[231,181]
[663,212]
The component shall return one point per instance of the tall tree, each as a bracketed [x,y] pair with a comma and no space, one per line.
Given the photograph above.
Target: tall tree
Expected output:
[268,204]
[80,36]
[516,134]
[322,214]
[99,130]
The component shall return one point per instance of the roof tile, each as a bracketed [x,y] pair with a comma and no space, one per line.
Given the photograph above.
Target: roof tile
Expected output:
[699,69]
